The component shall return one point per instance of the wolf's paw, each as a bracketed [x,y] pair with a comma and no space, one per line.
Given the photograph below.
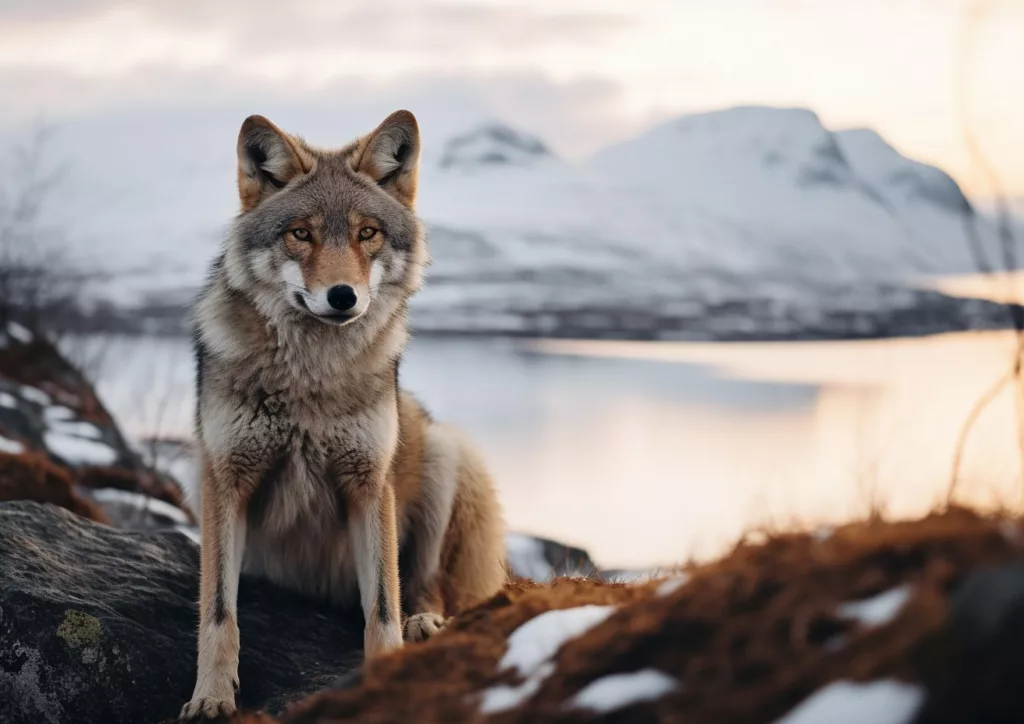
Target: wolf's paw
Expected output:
[207,707]
[422,626]
[211,702]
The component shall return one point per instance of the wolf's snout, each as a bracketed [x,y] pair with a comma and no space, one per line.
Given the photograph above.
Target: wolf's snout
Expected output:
[341,297]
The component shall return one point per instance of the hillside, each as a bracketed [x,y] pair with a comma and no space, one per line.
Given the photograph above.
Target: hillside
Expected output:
[916,622]
[748,222]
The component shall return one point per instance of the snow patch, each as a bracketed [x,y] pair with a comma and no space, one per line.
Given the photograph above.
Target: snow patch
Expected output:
[141,502]
[877,610]
[58,413]
[8,400]
[502,698]
[844,702]
[616,691]
[19,332]
[822,534]
[11,447]
[33,394]
[77,450]
[671,585]
[530,648]
[190,532]
[1010,531]
[61,419]
[77,429]
[540,638]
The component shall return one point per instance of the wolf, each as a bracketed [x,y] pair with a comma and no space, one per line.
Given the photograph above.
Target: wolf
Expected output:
[318,472]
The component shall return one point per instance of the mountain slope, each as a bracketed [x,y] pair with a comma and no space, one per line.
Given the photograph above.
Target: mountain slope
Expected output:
[796,194]
[748,221]
[752,221]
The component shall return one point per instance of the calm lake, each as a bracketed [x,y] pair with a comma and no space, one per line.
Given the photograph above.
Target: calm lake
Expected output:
[651,453]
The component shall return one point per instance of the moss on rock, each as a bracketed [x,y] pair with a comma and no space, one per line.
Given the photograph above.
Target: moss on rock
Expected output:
[79,629]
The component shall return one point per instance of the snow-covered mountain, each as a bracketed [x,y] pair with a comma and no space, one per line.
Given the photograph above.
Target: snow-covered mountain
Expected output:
[492,145]
[745,221]
[760,218]
[788,192]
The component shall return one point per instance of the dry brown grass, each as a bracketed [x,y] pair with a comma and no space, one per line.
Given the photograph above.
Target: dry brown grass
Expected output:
[30,476]
[748,637]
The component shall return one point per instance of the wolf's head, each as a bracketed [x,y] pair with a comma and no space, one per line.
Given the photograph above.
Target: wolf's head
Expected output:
[326,233]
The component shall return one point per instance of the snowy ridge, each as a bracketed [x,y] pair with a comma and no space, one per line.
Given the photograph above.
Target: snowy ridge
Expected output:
[490,145]
[877,610]
[759,218]
[794,192]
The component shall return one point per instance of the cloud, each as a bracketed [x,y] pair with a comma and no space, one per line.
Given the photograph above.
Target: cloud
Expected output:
[553,67]
[31,11]
[311,27]
[574,116]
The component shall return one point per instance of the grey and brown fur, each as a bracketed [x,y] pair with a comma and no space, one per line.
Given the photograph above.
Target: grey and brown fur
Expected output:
[318,472]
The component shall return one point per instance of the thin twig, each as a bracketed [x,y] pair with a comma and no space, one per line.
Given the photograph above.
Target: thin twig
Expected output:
[1007,244]
[972,417]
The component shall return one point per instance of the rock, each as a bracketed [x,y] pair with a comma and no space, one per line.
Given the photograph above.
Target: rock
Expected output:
[47,408]
[98,625]
[984,682]
[542,559]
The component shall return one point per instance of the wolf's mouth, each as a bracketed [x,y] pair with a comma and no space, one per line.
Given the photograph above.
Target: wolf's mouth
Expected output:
[336,319]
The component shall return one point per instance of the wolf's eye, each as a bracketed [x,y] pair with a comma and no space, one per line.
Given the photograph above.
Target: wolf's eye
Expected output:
[302,234]
[367,233]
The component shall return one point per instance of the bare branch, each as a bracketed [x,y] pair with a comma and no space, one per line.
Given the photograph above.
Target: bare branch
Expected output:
[1006,236]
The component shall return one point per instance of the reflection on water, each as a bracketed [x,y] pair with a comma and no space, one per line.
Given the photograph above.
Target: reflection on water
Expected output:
[652,452]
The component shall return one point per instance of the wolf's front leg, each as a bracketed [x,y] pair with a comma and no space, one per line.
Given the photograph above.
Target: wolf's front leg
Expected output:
[375,547]
[223,544]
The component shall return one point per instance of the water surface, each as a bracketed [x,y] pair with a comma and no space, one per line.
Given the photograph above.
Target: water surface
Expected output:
[649,453]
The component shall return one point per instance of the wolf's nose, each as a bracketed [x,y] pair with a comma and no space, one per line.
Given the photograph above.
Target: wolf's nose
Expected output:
[341,297]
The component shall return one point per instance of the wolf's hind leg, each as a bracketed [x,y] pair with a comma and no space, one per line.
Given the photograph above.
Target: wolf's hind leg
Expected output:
[473,555]
[456,541]
[428,526]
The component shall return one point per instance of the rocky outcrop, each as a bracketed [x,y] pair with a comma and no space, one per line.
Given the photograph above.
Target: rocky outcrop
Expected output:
[52,420]
[921,620]
[542,559]
[98,625]
[31,476]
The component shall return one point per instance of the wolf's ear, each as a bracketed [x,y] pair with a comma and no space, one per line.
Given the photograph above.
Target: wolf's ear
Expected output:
[268,158]
[391,155]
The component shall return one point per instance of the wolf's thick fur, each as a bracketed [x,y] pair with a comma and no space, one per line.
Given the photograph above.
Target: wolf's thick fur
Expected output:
[317,471]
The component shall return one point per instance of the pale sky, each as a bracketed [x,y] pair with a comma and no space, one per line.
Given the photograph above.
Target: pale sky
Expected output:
[579,73]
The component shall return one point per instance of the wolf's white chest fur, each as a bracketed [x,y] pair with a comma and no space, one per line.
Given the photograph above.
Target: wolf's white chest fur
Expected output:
[315,444]
[298,537]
